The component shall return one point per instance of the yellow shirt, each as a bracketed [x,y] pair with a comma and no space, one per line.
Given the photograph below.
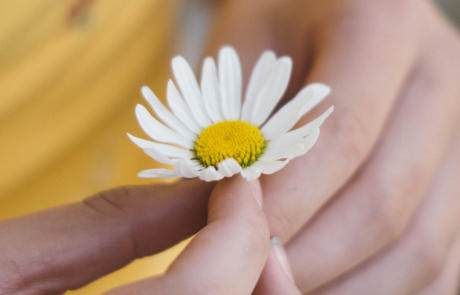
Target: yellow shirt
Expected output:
[70,73]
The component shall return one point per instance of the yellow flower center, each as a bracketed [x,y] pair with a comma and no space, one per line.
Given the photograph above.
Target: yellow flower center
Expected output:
[235,139]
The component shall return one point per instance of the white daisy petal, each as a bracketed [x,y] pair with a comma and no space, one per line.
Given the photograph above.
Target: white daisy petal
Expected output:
[280,144]
[140,142]
[233,165]
[171,151]
[259,75]
[230,79]
[186,168]
[222,168]
[311,126]
[251,173]
[290,146]
[180,108]
[159,157]
[190,90]
[216,98]
[210,90]
[272,91]
[157,173]
[166,149]
[270,167]
[210,174]
[284,152]
[290,114]
[164,114]
[158,131]
[309,142]
[229,167]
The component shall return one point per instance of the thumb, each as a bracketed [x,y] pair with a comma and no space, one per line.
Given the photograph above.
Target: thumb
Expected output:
[225,257]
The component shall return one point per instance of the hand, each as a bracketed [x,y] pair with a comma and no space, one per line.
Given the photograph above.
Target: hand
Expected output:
[377,197]
[65,248]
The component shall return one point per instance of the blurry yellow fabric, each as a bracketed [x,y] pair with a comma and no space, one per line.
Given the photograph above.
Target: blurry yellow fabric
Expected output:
[70,73]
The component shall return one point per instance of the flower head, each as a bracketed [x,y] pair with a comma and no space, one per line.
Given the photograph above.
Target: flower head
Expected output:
[209,133]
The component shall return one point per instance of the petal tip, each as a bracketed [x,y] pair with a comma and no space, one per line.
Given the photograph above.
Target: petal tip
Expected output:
[177,58]
[130,136]
[142,174]
[320,89]
[286,60]
[227,48]
[146,91]
[269,53]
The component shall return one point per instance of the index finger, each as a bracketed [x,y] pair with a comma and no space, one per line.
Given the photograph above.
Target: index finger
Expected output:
[48,250]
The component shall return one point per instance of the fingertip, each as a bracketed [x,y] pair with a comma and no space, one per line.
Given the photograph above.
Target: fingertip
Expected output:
[236,202]
[233,247]
[236,195]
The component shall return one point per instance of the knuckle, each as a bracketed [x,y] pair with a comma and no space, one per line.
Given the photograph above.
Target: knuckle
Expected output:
[391,224]
[394,197]
[431,264]
[389,213]
[108,203]
[430,253]
[281,223]
[352,135]
[109,206]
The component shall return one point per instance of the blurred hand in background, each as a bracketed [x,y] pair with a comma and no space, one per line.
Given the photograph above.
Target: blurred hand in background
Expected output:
[373,208]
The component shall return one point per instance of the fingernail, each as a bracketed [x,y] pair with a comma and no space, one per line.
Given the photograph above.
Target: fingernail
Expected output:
[256,191]
[281,255]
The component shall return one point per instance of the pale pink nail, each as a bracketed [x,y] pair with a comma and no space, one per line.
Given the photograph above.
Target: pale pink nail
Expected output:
[281,255]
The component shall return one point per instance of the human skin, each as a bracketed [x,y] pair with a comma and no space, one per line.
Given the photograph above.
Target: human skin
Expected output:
[373,208]
[67,247]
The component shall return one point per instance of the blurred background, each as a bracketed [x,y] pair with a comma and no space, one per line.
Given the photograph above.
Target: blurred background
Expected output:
[70,73]
[452,9]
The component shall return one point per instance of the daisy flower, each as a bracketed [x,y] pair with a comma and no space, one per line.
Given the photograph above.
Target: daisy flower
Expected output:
[210,132]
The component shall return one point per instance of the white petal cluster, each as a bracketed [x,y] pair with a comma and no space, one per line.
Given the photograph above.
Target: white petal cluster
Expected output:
[218,97]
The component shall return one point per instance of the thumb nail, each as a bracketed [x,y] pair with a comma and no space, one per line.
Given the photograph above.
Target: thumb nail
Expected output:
[281,256]
[256,191]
